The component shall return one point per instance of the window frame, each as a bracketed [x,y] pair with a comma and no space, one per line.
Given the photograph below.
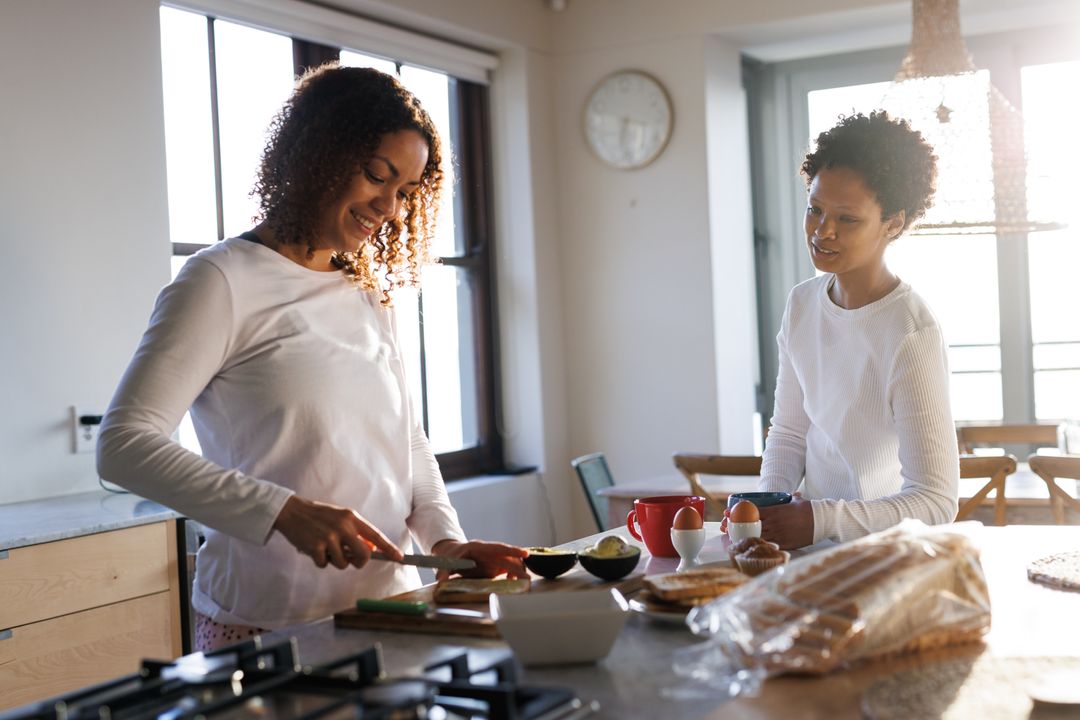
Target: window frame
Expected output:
[471,138]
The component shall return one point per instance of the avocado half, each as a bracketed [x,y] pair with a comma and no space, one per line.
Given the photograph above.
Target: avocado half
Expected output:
[610,559]
[549,562]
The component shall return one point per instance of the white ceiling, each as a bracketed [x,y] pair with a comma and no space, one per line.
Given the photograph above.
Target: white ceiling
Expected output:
[885,25]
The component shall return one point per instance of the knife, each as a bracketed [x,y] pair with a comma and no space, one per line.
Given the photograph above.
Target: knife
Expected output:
[429,561]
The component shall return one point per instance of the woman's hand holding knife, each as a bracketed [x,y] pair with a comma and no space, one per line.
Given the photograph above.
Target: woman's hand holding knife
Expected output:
[332,535]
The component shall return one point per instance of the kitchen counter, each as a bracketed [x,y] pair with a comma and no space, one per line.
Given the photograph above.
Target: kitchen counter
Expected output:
[68,516]
[632,681]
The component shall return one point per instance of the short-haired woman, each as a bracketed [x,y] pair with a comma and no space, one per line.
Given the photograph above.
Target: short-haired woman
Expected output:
[862,416]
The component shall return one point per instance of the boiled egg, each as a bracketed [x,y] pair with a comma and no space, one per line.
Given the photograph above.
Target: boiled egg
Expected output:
[687,518]
[744,512]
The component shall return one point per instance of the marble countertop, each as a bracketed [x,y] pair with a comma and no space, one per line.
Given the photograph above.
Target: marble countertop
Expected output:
[637,678]
[68,516]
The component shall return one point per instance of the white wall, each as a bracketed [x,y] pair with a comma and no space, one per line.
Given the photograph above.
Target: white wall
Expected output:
[636,271]
[83,222]
[624,297]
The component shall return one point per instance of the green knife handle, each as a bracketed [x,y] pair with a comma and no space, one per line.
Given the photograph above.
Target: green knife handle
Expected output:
[400,607]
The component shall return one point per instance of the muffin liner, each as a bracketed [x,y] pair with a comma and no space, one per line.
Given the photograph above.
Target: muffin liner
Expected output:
[732,554]
[756,566]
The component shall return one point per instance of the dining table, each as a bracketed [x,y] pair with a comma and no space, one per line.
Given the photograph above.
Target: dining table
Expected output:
[1027,499]
[637,680]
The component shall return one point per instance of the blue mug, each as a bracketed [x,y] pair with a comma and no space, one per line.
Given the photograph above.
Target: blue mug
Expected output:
[761,499]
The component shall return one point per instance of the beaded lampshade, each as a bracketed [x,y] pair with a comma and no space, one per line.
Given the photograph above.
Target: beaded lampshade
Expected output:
[977,134]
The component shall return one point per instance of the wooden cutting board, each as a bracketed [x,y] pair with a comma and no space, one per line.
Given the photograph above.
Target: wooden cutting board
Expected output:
[575,580]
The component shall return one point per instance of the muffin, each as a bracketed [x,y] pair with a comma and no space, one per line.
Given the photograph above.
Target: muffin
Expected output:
[742,546]
[760,558]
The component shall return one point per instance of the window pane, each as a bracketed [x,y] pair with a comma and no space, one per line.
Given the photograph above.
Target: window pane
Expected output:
[406,309]
[433,91]
[1053,148]
[1059,356]
[1051,139]
[975,359]
[1057,395]
[826,106]
[350,58]
[255,77]
[965,303]
[450,345]
[189,140]
[976,396]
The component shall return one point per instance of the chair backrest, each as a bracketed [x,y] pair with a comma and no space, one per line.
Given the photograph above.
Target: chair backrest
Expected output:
[694,465]
[994,467]
[1050,467]
[592,471]
[969,437]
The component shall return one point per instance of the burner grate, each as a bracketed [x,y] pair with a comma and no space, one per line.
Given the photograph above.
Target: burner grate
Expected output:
[250,681]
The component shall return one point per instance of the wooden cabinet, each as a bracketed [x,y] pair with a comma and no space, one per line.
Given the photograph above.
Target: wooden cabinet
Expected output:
[80,611]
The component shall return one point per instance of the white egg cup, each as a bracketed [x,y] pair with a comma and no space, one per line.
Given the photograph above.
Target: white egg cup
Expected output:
[740,531]
[688,544]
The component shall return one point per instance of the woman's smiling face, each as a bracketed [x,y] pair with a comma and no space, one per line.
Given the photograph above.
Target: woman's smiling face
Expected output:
[845,233]
[376,193]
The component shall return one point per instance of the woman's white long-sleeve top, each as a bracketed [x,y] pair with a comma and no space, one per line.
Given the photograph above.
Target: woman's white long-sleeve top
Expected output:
[862,415]
[295,385]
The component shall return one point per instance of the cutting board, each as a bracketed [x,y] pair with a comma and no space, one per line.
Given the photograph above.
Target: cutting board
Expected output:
[575,580]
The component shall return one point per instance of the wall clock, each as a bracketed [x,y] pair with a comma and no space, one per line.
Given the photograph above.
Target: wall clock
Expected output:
[628,119]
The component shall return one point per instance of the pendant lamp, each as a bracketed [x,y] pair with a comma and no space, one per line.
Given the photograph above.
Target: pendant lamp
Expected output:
[977,134]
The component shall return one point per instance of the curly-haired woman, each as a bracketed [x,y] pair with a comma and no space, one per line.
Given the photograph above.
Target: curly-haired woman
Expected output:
[862,416]
[281,343]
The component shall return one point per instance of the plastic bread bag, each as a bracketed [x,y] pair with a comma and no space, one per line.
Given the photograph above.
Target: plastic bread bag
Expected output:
[906,589]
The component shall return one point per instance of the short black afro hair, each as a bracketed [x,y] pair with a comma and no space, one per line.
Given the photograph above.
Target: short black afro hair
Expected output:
[895,162]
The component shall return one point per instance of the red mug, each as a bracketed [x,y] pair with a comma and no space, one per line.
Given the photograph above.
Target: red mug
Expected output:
[654,515]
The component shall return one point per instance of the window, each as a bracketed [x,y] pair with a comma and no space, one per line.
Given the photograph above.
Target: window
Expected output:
[223,82]
[1003,303]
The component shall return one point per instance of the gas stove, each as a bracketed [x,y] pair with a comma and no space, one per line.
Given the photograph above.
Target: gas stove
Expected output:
[254,681]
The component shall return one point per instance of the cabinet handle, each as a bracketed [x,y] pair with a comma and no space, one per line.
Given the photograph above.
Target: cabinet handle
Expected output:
[6,634]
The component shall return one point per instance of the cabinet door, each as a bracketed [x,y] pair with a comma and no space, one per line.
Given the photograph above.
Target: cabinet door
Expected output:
[55,656]
[44,581]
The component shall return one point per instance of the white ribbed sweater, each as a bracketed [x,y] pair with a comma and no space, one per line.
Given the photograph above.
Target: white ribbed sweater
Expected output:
[862,415]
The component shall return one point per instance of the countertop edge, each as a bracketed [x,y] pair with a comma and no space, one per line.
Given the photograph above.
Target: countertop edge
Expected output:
[68,516]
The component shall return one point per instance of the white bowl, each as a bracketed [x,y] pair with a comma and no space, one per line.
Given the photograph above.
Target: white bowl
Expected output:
[740,531]
[552,628]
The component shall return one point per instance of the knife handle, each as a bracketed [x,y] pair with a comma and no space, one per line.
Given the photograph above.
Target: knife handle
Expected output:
[399,607]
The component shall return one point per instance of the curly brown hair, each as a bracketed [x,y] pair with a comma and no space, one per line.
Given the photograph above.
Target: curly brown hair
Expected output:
[330,127]
[894,160]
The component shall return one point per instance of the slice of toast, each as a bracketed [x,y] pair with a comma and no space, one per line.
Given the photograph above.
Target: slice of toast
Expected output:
[698,583]
[652,602]
[467,590]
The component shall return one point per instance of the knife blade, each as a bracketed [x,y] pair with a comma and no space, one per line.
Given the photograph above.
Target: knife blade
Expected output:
[429,561]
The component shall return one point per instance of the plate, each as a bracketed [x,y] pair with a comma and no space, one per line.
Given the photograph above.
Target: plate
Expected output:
[667,618]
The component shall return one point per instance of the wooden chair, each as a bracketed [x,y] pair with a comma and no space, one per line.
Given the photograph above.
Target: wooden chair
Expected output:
[1051,467]
[694,465]
[968,437]
[995,467]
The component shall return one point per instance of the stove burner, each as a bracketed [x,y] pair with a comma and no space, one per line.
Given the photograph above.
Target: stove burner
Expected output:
[248,681]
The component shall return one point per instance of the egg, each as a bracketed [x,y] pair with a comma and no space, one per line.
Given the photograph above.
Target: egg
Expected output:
[744,512]
[687,518]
